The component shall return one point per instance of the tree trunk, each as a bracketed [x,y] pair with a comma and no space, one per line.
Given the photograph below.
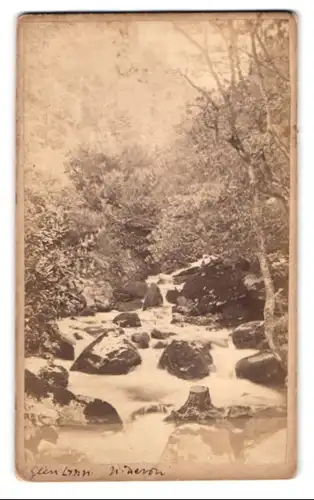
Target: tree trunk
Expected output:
[198,399]
[197,408]
[270,295]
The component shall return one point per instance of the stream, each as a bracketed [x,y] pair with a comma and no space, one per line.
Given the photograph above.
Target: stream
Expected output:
[260,440]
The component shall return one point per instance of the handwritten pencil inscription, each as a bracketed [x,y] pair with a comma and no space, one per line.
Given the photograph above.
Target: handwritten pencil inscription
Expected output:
[137,471]
[64,472]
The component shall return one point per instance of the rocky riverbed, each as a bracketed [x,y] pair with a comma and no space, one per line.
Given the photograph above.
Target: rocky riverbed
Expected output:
[144,362]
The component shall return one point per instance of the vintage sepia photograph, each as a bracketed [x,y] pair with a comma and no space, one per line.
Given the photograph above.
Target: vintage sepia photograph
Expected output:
[156,237]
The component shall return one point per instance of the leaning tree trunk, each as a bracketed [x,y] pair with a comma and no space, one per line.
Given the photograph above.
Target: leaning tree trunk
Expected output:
[270,295]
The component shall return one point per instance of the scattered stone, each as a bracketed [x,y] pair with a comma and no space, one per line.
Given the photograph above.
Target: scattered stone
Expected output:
[127,320]
[160,345]
[157,334]
[77,336]
[142,339]
[151,408]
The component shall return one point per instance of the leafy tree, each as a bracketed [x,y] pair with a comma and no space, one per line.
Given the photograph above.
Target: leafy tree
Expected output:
[246,120]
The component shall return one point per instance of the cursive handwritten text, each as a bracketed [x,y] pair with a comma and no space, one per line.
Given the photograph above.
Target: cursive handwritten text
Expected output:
[65,472]
[137,471]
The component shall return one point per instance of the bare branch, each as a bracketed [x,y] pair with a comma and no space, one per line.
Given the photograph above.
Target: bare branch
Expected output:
[270,126]
[204,52]
[205,93]
[269,59]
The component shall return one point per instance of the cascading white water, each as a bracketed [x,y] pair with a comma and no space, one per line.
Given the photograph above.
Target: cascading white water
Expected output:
[149,385]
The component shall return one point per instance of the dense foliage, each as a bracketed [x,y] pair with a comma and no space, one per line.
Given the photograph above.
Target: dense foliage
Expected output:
[122,216]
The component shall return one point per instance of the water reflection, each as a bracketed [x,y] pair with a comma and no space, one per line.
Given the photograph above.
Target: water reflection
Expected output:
[243,441]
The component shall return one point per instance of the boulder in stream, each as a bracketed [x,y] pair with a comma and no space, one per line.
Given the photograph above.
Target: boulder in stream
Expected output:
[141,339]
[54,375]
[160,344]
[102,306]
[153,297]
[87,311]
[131,305]
[94,411]
[262,368]
[217,287]
[127,320]
[130,291]
[62,347]
[185,274]
[97,411]
[108,355]
[159,335]
[172,296]
[250,335]
[186,360]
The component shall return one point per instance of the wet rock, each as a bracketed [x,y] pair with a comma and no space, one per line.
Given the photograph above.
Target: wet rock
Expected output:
[108,355]
[87,311]
[132,305]
[218,287]
[185,307]
[238,411]
[102,306]
[186,274]
[186,360]
[97,411]
[95,330]
[63,348]
[130,291]
[160,345]
[262,368]
[35,386]
[157,334]
[151,408]
[142,339]
[127,320]
[177,318]
[54,375]
[172,296]
[153,297]
[250,335]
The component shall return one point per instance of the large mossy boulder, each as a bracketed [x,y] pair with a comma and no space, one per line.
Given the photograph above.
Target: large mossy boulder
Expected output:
[108,355]
[250,335]
[262,368]
[186,360]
